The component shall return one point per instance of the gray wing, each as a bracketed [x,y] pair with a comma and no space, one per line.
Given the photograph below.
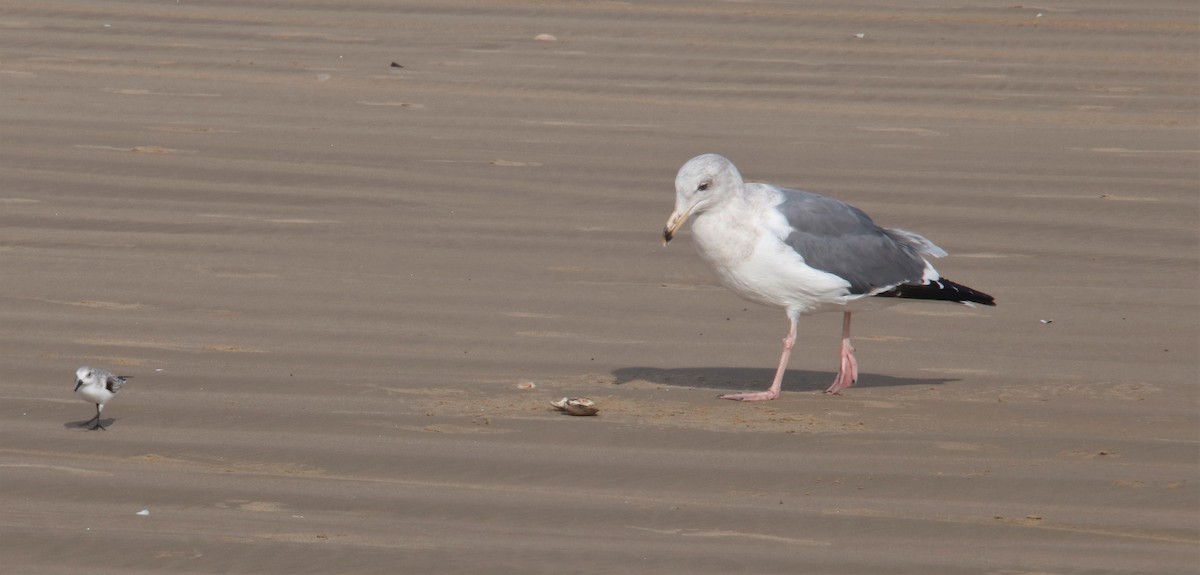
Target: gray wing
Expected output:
[111,382]
[840,239]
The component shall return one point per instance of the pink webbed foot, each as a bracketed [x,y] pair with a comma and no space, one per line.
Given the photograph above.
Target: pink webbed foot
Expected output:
[847,372]
[776,385]
[752,395]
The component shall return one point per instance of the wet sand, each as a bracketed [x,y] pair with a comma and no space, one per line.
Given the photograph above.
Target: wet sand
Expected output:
[333,279]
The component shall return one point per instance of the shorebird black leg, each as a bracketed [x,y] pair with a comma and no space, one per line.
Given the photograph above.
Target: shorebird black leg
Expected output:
[97,420]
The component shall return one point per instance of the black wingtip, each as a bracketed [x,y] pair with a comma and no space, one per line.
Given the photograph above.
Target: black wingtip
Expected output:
[941,290]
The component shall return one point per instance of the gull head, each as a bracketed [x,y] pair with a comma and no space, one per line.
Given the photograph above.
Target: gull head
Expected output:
[703,182]
[83,376]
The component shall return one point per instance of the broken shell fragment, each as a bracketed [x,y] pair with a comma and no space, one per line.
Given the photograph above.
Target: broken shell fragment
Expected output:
[576,406]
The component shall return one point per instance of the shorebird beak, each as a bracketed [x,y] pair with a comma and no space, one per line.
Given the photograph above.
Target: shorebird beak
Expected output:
[78,383]
[673,224]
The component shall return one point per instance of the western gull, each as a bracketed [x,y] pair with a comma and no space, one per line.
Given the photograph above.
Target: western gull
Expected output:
[804,252]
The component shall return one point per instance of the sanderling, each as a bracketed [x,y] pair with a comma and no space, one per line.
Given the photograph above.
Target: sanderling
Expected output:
[97,386]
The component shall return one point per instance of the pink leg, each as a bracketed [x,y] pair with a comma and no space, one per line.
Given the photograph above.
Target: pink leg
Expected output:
[773,392]
[848,372]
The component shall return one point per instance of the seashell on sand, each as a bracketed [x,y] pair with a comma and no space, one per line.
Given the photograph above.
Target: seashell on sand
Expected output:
[576,406]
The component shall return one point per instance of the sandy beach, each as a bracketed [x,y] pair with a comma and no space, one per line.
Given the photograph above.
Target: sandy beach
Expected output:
[349,252]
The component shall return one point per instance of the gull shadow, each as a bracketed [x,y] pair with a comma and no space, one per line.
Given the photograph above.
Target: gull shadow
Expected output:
[86,424]
[756,379]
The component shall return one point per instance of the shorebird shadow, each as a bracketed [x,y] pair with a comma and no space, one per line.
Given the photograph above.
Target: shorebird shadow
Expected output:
[86,424]
[755,379]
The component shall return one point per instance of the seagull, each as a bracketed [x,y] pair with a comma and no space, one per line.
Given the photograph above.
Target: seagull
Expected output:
[97,386]
[803,252]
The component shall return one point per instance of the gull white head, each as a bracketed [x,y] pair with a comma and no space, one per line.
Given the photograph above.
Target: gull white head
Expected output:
[703,182]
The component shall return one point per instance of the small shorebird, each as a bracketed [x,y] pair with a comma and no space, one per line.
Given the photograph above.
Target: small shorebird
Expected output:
[803,252]
[97,386]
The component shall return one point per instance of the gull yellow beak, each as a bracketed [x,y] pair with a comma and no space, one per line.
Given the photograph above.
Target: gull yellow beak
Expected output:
[673,223]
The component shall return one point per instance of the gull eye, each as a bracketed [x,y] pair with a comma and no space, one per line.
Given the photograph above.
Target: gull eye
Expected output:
[703,187]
